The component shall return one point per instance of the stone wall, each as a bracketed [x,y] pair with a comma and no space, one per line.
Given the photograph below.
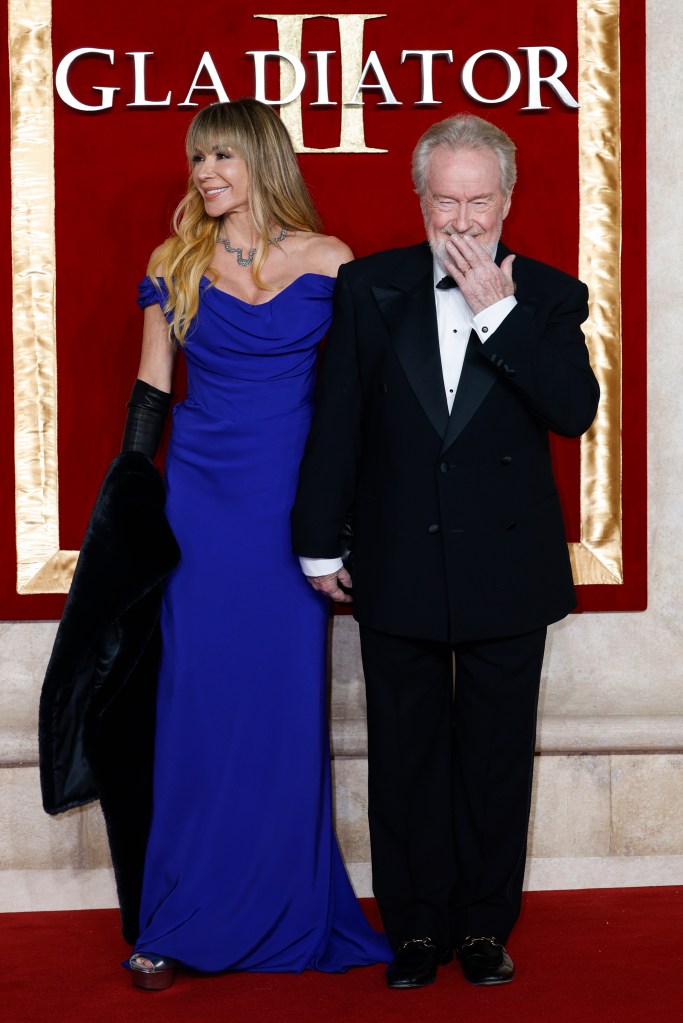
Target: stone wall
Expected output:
[608,797]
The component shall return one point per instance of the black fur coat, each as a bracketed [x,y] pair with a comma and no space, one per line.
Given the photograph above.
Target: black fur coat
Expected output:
[96,727]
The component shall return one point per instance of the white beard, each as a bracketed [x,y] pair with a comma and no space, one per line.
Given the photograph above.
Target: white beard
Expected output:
[438,247]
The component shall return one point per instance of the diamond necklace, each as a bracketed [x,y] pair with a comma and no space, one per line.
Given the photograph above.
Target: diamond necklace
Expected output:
[252,252]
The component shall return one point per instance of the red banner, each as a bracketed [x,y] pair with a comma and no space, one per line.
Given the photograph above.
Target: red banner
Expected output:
[360,89]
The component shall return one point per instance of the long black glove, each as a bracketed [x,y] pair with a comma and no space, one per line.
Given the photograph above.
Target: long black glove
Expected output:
[147,411]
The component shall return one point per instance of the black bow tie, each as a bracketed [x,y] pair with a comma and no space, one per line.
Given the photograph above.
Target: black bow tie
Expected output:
[445,283]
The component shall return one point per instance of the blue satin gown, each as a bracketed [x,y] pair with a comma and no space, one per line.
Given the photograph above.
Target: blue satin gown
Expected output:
[243,871]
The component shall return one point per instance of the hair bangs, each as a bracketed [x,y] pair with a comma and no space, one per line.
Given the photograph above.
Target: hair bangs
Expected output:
[212,130]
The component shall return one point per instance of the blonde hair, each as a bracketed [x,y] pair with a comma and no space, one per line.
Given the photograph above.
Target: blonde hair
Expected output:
[277,194]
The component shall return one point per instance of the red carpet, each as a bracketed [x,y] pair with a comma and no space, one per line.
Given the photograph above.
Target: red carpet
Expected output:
[604,956]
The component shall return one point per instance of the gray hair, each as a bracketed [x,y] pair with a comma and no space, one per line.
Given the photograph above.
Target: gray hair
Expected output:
[465,131]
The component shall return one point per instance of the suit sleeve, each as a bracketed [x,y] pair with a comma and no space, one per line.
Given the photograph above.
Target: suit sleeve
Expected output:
[543,355]
[327,478]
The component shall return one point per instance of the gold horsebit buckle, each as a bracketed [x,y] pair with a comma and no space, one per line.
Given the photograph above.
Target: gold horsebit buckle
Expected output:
[469,941]
[425,942]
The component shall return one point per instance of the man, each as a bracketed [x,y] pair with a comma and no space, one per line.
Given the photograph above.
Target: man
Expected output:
[445,368]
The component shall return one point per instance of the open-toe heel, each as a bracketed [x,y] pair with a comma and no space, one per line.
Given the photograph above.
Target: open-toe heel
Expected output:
[152,972]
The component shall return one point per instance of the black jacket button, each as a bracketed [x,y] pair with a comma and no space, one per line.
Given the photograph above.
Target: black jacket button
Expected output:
[506,460]
[444,467]
[433,528]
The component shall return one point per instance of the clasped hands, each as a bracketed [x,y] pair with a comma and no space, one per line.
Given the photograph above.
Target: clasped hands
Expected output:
[480,280]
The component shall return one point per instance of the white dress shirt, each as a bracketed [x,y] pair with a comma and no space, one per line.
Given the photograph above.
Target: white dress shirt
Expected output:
[455,320]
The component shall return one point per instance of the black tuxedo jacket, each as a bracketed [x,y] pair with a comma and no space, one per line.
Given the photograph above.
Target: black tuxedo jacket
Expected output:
[458,528]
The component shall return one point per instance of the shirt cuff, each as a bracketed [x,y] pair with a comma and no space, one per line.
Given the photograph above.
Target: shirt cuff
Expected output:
[320,566]
[489,319]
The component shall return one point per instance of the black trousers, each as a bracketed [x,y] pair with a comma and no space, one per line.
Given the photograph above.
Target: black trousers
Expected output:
[450,761]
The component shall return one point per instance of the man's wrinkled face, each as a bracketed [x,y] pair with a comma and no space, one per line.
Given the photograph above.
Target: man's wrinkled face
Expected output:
[464,197]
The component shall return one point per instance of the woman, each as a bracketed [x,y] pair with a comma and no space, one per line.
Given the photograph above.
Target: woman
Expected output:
[242,868]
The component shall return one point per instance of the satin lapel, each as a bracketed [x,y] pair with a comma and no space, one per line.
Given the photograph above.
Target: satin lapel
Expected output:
[476,380]
[411,318]
[478,376]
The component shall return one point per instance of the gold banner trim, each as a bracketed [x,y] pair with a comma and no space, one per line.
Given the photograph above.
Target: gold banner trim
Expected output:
[598,557]
[41,566]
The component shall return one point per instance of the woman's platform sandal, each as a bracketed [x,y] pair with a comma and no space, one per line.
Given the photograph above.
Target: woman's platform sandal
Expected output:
[152,972]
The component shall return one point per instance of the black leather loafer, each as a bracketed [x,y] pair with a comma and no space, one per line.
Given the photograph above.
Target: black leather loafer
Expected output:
[416,962]
[484,961]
